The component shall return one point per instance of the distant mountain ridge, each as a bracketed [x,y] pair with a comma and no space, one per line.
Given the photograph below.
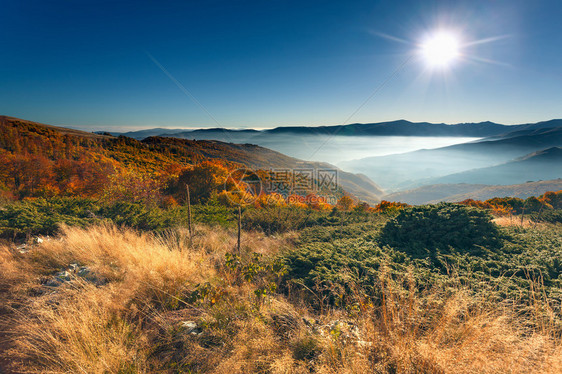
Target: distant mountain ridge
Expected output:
[390,128]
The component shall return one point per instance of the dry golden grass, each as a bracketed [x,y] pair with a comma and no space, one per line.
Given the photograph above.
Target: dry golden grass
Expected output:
[131,322]
[459,334]
[514,221]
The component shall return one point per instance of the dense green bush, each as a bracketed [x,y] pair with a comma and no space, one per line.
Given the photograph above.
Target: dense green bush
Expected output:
[330,267]
[280,219]
[423,231]
[283,219]
[550,215]
[441,244]
[44,216]
[332,270]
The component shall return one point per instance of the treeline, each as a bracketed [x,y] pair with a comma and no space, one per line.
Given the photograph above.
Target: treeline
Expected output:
[507,206]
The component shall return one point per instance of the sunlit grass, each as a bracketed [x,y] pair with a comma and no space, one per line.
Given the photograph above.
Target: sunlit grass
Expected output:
[131,323]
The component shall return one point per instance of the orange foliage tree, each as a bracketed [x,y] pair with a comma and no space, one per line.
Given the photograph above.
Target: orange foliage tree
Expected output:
[204,179]
[345,203]
[389,206]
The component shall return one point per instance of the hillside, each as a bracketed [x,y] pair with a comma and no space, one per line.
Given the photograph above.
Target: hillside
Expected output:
[436,193]
[6,120]
[433,192]
[65,160]
[522,191]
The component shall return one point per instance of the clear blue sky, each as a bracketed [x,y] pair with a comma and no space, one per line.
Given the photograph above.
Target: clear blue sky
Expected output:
[274,63]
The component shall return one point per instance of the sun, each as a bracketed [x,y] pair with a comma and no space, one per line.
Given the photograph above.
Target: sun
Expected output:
[440,49]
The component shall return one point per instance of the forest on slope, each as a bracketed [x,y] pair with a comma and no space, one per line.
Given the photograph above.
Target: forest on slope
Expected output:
[44,161]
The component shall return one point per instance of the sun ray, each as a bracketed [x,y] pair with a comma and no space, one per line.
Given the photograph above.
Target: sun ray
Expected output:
[487,61]
[390,37]
[486,40]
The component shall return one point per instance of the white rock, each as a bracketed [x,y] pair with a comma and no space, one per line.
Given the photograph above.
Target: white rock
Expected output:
[191,328]
[22,248]
[73,267]
[63,275]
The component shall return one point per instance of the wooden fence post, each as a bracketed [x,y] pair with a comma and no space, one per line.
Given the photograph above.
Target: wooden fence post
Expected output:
[239,227]
[189,212]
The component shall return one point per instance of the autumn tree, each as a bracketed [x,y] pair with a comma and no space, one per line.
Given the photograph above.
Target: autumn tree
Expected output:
[554,199]
[133,186]
[389,206]
[203,179]
[345,203]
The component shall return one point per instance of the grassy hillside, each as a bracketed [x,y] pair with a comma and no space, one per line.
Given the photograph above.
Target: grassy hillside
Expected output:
[350,293]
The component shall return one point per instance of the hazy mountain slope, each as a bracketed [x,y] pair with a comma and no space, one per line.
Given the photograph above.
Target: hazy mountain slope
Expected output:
[424,166]
[523,191]
[422,195]
[541,125]
[435,193]
[541,165]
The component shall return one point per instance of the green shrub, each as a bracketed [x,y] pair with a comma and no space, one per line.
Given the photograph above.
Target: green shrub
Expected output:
[283,219]
[306,348]
[140,216]
[550,216]
[41,216]
[423,231]
[332,270]
[44,216]
[329,268]
[279,219]
[211,214]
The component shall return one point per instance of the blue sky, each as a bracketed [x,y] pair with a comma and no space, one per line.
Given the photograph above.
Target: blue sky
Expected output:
[273,63]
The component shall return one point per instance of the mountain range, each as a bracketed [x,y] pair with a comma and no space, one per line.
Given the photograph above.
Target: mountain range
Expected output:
[391,128]
[498,155]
